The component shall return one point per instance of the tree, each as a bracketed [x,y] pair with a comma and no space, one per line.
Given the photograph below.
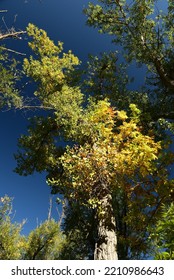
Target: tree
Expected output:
[45,242]
[11,242]
[145,34]
[107,150]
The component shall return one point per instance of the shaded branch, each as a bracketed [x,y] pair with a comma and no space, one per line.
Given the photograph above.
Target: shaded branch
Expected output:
[35,107]
[168,83]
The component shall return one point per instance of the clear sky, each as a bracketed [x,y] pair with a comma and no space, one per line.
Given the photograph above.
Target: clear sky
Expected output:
[64,21]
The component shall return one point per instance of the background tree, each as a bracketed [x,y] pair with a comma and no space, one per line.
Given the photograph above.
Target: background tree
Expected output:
[45,242]
[80,229]
[162,235]
[145,35]
[11,242]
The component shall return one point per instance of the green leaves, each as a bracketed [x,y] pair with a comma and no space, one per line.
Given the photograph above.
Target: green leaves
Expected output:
[145,34]
[45,242]
[50,69]
[162,236]
[9,94]
[11,242]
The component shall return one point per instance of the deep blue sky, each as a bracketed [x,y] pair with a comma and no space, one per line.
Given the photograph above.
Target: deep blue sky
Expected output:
[64,21]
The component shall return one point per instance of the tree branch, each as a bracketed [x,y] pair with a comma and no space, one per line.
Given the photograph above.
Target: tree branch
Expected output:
[12,35]
[13,51]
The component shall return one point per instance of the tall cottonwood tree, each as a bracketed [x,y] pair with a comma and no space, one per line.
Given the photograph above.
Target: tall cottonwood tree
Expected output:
[144,29]
[107,150]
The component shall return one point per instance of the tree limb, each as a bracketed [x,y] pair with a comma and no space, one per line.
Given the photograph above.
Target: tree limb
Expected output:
[12,35]
[13,51]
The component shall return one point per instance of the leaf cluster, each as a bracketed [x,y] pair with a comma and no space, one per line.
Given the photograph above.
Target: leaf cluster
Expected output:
[44,242]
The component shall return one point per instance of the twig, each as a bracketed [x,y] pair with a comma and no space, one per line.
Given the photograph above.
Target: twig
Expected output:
[13,51]
[35,107]
[5,24]
[50,208]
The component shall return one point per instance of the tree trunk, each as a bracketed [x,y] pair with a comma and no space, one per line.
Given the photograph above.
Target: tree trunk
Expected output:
[106,245]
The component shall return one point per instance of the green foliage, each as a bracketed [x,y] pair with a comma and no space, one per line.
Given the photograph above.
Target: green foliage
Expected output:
[9,94]
[163,235]
[145,34]
[45,242]
[80,229]
[105,79]
[11,242]
[131,25]
[50,68]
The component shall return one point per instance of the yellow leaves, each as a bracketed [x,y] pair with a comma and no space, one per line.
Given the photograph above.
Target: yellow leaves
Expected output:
[98,119]
[41,44]
[135,111]
[121,115]
[114,154]
[51,68]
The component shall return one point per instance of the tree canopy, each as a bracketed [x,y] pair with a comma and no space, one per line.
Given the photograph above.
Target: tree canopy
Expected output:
[107,147]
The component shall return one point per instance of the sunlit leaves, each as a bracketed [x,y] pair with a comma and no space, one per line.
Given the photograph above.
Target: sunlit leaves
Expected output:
[45,242]
[50,67]
[116,151]
[11,242]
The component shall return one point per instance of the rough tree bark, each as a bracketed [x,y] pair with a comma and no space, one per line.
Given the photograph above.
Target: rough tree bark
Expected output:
[106,245]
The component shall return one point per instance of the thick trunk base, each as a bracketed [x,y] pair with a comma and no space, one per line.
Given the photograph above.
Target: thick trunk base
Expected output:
[106,246]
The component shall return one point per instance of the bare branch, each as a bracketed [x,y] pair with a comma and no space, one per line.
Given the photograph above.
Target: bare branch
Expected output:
[50,208]
[10,50]
[12,35]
